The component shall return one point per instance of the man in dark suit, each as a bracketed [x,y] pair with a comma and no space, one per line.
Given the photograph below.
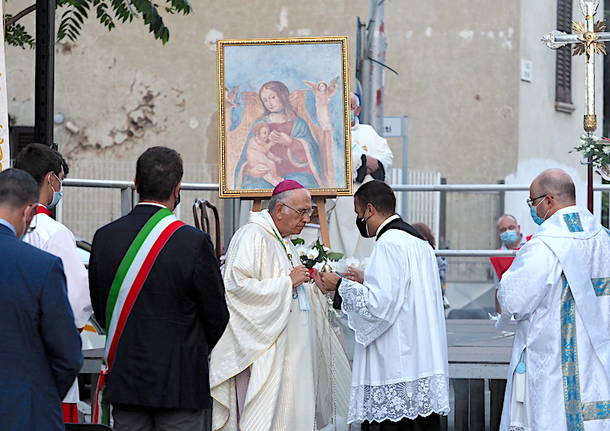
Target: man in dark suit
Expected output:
[159,379]
[40,353]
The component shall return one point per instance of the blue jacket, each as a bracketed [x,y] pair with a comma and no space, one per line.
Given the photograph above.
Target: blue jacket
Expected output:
[40,348]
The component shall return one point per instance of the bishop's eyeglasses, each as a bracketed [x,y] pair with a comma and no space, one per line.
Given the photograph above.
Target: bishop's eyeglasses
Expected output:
[302,213]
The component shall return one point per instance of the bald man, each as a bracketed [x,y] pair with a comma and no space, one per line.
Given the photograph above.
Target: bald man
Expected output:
[558,290]
[371,159]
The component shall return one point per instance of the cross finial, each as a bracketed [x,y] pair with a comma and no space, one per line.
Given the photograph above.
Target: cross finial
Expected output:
[586,4]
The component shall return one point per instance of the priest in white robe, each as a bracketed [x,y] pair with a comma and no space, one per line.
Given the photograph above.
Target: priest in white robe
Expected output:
[371,159]
[279,365]
[558,290]
[400,371]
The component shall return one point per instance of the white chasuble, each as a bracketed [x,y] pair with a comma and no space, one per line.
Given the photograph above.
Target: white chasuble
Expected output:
[344,236]
[400,365]
[299,374]
[558,289]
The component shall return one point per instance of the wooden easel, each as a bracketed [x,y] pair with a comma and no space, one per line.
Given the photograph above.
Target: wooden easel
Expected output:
[319,201]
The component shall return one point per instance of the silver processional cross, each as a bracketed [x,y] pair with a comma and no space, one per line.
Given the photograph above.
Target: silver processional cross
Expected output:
[589,39]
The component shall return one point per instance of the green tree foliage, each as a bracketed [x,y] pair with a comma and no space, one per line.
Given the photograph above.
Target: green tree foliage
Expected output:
[74,14]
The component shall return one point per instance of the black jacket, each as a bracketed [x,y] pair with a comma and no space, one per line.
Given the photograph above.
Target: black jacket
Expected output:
[178,317]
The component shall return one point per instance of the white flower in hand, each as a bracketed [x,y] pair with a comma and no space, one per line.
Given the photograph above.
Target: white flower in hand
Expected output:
[318,266]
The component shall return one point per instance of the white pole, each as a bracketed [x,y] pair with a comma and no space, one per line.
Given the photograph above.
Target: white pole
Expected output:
[5,156]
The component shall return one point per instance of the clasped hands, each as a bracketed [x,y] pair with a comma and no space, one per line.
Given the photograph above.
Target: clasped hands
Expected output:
[326,281]
[299,275]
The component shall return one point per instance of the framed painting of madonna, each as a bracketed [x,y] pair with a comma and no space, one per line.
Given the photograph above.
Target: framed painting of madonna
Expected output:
[284,114]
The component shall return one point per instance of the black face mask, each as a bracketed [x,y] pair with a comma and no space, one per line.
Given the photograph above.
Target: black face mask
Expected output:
[362,227]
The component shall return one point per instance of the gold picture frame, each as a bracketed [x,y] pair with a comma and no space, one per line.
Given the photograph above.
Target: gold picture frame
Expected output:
[284,113]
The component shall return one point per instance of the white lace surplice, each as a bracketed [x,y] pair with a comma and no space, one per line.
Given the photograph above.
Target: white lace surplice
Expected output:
[400,358]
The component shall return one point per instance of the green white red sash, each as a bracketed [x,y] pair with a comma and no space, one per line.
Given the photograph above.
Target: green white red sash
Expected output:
[126,286]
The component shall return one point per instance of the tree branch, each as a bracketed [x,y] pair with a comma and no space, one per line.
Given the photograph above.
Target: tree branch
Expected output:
[12,20]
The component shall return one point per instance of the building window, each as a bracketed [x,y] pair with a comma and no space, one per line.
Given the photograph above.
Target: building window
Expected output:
[563,65]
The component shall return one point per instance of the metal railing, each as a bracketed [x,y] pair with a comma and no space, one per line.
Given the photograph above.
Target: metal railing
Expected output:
[481,188]
[128,200]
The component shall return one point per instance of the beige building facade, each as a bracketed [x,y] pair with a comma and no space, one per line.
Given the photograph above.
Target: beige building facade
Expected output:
[471,117]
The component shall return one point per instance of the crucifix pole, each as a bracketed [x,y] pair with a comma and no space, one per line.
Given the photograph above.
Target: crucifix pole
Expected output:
[590,119]
[588,38]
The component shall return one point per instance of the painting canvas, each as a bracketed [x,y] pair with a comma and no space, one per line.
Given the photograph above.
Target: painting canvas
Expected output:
[284,114]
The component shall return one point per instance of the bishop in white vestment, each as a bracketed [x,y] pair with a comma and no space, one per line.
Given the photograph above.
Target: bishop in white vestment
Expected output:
[558,290]
[371,159]
[400,370]
[279,366]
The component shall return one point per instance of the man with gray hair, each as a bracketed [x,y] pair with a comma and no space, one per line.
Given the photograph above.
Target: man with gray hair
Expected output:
[371,159]
[558,290]
[40,353]
[509,232]
[279,365]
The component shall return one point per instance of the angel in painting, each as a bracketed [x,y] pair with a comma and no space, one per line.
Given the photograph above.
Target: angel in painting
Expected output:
[323,91]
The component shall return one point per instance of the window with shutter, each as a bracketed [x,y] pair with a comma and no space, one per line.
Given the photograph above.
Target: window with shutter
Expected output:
[563,64]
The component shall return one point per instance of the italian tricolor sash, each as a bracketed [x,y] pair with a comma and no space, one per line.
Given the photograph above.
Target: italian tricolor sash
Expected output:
[126,286]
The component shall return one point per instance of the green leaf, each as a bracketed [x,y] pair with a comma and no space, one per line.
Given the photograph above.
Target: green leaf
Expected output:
[182,6]
[334,256]
[17,35]
[298,241]
[122,10]
[76,12]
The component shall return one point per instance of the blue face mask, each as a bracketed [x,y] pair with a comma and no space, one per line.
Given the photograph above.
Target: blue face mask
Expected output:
[537,219]
[56,196]
[509,237]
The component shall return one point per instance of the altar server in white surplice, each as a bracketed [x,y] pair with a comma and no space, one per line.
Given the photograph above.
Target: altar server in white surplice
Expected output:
[371,159]
[400,376]
[279,365]
[49,170]
[558,290]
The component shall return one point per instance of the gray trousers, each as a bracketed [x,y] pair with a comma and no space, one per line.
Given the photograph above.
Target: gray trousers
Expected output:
[149,419]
